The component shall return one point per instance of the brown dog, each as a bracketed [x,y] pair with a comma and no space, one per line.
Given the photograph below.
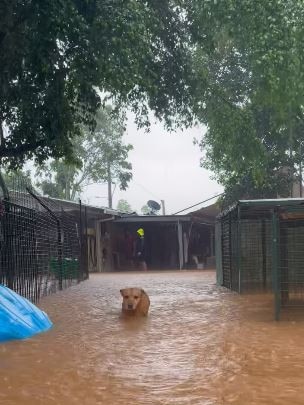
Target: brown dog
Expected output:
[135,301]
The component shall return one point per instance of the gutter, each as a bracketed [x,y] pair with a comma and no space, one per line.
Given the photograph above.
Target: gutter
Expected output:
[107,219]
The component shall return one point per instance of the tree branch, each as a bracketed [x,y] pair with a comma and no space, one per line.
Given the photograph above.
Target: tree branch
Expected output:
[19,21]
[81,180]
[20,150]
[1,134]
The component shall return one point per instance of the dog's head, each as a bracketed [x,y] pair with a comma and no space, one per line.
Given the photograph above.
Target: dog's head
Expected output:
[131,298]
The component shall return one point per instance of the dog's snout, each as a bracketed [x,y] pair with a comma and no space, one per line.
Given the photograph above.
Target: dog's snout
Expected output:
[130,306]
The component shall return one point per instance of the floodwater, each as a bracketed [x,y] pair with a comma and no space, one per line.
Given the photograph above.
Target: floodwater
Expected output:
[200,345]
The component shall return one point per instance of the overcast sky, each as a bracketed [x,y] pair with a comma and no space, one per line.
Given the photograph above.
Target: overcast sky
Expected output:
[166,166]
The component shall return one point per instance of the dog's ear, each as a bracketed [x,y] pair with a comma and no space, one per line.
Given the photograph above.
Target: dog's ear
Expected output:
[143,291]
[121,292]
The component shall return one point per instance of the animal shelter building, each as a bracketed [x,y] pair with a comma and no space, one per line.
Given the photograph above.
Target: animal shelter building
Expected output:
[172,241]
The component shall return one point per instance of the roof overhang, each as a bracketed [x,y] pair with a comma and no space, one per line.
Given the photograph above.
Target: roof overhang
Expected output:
[264,203]
[164,219]
[91,210]
[153,219]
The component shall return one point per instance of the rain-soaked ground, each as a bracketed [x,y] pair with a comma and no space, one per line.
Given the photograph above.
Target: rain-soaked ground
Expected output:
[200,345]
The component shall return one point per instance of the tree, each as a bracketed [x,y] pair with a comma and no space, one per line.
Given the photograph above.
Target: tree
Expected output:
[102,157]
[124,206]
[260,40]
[109,159]
[145,210]
[60,180]
[244,187]
[250,92]
[58,58]
[16,181]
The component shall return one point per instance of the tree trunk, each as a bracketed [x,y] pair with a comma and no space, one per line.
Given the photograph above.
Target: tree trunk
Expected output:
[68,184]
[1,134]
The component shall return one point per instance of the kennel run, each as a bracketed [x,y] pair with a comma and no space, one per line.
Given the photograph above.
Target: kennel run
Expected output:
[260,248]
[43,247]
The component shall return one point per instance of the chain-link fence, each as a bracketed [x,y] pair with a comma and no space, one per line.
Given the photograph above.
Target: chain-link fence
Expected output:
[42,246]
[262,250]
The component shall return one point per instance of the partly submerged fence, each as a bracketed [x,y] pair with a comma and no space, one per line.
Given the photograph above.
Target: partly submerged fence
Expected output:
[42,246]
[260,247]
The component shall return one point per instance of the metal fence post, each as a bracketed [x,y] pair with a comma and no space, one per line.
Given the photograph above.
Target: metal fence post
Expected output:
[275,265]
[218,253]
[239,247]
[264,258]
[86,244]
[230,253]
[60,255]
[81,242]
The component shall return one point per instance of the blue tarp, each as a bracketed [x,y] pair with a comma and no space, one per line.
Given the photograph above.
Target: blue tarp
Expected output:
[19,318]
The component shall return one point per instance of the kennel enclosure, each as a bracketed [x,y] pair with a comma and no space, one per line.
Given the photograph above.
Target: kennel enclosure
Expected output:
[42,246]
[260,248]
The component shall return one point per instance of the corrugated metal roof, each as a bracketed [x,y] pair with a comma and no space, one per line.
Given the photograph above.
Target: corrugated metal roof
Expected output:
[75,204]
[208,213]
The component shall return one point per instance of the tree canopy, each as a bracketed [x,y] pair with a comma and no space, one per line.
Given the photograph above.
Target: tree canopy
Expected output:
[124,206]
[235,66]
[101,155]
[57,58]
[16,181]
[250,89]
[145,210]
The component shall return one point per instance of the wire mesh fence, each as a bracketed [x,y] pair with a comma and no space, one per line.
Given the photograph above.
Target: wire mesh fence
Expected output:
[262,250]
[42,246]
[290,259]
[255,250]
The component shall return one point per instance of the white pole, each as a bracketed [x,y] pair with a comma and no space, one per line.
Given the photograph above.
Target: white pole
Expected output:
[163,207]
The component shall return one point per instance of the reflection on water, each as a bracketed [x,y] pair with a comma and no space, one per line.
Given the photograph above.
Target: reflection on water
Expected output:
[200,345]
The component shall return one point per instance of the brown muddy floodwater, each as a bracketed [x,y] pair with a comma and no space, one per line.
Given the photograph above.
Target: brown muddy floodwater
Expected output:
[201,345]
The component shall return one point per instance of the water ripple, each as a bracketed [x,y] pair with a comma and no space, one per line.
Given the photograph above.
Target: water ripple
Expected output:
[200,345]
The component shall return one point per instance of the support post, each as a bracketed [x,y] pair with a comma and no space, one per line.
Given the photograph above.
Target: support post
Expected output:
[275,266]
[230,254]
[264,258]
[180,245]
[163,207]
[81,262]
[300,169]
[239,247]
[86,256]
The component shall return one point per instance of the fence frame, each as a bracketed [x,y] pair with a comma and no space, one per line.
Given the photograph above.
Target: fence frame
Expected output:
[56,238]
[275,234]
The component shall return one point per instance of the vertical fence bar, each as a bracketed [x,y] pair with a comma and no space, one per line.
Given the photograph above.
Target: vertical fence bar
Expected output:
[222,252]
[59,250]
[264,258]
[180,245]
[80,241]
[275,266]
[86,261]
[230,253]
[239,247]
[218,253]
[284,289]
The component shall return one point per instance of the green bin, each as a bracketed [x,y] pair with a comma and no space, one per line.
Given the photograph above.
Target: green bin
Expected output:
[70,268]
